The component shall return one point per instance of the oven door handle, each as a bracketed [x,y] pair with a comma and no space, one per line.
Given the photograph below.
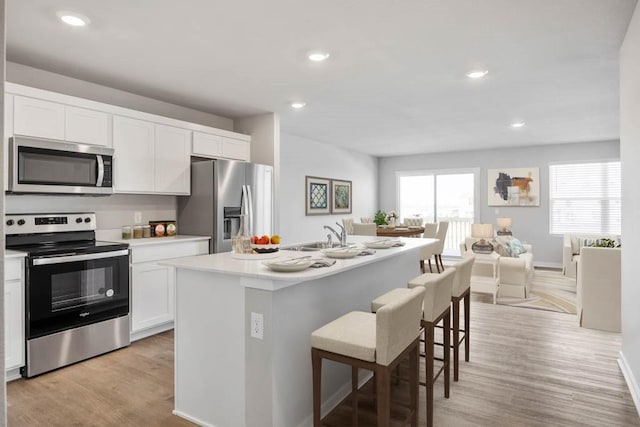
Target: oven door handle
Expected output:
[83,257]
[100,177]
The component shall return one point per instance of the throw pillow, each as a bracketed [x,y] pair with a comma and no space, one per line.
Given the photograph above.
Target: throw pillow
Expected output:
[503,246]
[516,247]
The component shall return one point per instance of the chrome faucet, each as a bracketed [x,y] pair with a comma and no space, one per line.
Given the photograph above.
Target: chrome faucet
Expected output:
[342,236]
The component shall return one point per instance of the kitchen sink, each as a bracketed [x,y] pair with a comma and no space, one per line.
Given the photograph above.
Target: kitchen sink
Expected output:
[313,246]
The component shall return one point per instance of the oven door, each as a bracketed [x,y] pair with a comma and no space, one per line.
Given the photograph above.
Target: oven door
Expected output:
[67,291]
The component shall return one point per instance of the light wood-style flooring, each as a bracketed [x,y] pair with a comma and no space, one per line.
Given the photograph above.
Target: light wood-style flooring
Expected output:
[528,368]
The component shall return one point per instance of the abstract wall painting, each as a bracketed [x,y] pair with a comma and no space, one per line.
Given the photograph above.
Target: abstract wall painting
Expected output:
[317,196]
[340,196]
[514,187]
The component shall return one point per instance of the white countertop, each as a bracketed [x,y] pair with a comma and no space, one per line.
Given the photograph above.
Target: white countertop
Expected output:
[8,253]
[160,240]
[225,264]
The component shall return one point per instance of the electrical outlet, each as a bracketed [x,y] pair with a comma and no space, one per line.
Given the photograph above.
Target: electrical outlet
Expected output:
[137,217]
[257,325]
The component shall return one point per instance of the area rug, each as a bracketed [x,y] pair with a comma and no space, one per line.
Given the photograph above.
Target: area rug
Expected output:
[550,290]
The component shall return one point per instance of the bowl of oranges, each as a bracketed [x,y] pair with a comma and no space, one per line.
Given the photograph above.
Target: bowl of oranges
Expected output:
[265,244]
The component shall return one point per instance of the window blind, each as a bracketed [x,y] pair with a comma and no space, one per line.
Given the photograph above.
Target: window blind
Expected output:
[585,198]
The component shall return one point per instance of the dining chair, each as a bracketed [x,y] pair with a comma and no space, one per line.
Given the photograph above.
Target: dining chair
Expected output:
[366,220]
[417,222]
[430,230]
[364,229]
[441,235]
[347,223]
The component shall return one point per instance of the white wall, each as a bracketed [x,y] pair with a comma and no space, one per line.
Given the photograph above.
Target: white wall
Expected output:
[3,388]
[34,77]
[530,224]
[112,212]
[301,157]
[630,155]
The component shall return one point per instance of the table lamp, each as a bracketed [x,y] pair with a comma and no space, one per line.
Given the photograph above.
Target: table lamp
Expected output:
[483,231]
[504,226]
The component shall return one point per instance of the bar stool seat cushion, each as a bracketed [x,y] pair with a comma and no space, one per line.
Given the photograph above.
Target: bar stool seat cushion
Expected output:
[353,335]
[387,298]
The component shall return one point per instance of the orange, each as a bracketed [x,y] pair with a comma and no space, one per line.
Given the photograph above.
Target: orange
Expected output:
[275,239]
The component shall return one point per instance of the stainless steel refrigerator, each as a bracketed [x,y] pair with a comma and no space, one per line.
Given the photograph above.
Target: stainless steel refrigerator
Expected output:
[221,191]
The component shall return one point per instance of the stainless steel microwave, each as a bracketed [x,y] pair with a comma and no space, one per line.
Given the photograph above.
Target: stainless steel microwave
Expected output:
[50,166]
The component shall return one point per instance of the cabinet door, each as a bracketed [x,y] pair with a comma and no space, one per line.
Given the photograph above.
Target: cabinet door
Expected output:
[172,160]
[13,324]
[87,126]
[8,133]
[35,117]
[206,145]
[152,295]
[235,149]
[134,144]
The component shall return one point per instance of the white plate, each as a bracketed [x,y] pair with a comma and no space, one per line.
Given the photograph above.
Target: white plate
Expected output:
[380,244]
[255,256]
[341,253]
[285,266]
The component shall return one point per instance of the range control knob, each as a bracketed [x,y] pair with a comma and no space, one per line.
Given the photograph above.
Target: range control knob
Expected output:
[87,219]
[21,222]
[10,222]
[78,220]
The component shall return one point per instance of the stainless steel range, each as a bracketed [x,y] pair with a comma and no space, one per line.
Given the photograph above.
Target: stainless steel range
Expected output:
[76,289]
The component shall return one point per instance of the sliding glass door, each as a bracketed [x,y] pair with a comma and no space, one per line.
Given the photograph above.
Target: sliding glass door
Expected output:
[441,195]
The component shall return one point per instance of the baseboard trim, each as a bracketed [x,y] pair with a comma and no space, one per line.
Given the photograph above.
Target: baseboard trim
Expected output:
[630,380]
[135,336]
[190,418]
[551,265]
[12,374]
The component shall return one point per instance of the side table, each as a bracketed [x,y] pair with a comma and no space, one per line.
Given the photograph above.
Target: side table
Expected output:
[484,284]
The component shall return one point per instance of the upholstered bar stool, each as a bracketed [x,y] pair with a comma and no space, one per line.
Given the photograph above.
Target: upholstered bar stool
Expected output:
[436,308]
[461,291]
[373,341]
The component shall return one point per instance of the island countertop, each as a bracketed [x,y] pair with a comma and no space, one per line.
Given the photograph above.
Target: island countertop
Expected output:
[224,263]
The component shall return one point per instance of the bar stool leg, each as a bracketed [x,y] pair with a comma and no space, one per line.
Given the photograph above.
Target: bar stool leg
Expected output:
[383,395]
[447,352]
[428,359]
[467,323]
[430,269]
[414,367]
[316,363]
[422,266]
[456,336]
[354,396]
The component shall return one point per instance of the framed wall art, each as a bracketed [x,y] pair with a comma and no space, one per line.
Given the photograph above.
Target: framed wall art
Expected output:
[340,197]
[317,195]
[514,187]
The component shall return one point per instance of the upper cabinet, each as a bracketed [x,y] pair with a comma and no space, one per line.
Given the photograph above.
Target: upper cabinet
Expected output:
[150,158]
[35,117]
[152,153]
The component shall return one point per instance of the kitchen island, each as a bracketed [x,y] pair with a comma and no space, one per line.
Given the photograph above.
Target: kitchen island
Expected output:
[242,332]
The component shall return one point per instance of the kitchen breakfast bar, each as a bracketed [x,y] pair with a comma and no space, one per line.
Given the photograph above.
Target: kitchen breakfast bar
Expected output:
[224,376]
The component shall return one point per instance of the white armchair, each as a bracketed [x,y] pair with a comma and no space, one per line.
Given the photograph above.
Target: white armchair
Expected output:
[571,250]
[598,298]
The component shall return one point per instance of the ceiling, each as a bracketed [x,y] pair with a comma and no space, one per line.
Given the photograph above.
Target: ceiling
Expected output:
[394,84]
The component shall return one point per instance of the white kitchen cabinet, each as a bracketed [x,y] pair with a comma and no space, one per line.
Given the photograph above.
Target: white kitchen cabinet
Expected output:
[38,118]
[152,296]
[216,146]
[153,285]
[87,126]
[134,144]
[8,133]
[13,317]
[172,160]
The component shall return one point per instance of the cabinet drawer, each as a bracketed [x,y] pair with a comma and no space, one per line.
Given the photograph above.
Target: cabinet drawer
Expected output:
[13,269]
[170,250]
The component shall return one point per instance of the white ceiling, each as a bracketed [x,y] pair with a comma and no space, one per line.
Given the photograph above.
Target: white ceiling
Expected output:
[394,84]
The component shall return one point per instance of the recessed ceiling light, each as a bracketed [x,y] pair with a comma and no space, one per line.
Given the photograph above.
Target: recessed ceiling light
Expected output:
[517,124]
[298,105]
[317,56]
[73,19]
[476,74]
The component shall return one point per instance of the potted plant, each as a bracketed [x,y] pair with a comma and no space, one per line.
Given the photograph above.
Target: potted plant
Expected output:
[380,218]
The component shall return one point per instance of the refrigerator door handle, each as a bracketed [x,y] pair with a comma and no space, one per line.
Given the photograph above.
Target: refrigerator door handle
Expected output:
[250,206]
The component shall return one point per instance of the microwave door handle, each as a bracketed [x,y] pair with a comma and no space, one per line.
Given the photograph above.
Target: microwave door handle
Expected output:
[100,170]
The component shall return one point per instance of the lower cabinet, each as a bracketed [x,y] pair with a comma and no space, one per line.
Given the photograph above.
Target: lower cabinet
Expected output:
[13,317]
[153,286]
[152,295]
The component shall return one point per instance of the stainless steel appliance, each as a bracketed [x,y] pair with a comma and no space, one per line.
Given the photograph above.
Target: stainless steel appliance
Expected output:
[76,289]
[50,166]
[220,191]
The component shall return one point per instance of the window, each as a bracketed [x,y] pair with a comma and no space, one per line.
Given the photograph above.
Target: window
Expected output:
[585,198]
[440,195]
